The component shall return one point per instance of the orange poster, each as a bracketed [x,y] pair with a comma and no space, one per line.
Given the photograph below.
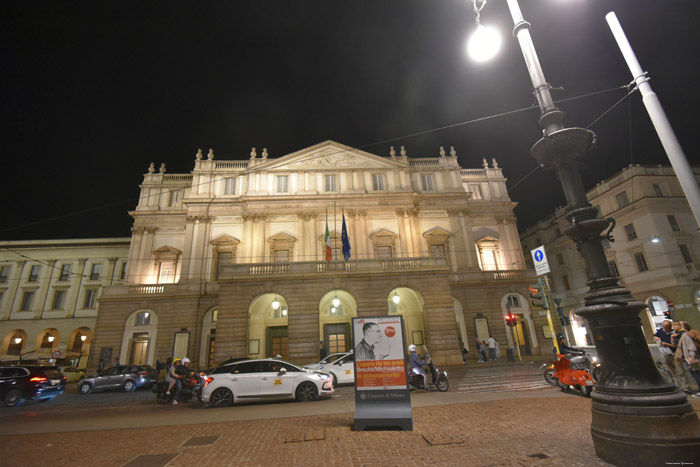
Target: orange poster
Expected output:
[380,361]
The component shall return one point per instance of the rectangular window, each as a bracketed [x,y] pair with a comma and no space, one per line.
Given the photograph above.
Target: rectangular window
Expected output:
[59,297]
[230,186]
[90,298]
[565,282]
[95,270]
[166,273]
[65,272]
[143,319]
[560,259]
[34,273]
[613,268]
[223,259]
[685,252]
[513,301]
[427,181]
[641,262]
[657,190]
[476,191]
[122,273]
[281,256]
[331,183]
[383,252]
[282,183]
[27,299]
[4,273]
[622,199]
[631,233]
[378,182]
[673,223]
[437,250]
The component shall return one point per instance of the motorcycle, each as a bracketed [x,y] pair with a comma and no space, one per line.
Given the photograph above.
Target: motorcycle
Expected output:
[191,388]
[590,365]
[570,370]
[438,378]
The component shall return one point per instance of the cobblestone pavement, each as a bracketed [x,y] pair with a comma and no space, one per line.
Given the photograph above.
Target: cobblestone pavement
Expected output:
[525,432]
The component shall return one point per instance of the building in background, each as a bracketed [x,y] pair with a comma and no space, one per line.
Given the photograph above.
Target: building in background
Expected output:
[656,248]
[230,259]
[49,293]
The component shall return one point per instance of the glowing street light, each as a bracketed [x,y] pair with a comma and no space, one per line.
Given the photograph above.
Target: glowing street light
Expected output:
[396,299]
[484,43]
[275,304]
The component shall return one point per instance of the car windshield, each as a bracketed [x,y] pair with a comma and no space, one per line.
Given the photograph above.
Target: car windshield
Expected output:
[332,358]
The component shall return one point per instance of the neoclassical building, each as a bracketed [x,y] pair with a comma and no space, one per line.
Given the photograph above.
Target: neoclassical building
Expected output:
[229,260]
[655,252]
[48,295]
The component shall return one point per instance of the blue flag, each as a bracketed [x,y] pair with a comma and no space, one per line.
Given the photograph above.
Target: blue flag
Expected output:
[345,239]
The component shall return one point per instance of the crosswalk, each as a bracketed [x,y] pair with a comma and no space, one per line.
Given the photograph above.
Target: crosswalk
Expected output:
[503,378]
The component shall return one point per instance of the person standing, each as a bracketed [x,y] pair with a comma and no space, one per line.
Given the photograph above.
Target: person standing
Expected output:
[688,344]
[667,350]
[116,362]
[322,351]
[492,348]
[464,352]
[682,379]
[498,351]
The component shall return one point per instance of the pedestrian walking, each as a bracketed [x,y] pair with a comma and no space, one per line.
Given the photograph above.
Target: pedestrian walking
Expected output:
[477,344]
[464,352]
[667,350]
[498,351]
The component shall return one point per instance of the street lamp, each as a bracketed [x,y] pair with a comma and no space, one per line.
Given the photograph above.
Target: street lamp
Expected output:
[50,338]
[396,299]
[275,304]
[83,337]
[18,340]
[638,418]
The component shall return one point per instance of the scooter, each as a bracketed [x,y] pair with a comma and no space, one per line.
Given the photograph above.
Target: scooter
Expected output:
[571,371]
[191,388]
[438,378]
[590,365]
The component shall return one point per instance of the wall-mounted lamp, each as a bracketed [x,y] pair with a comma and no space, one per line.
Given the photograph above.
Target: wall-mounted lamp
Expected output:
[50,338]
[18,340]
[655,239]
[336,301]
[275,303]
[83,337]
[396,299]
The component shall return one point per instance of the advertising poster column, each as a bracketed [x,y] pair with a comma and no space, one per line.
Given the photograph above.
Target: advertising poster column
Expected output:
[382,398]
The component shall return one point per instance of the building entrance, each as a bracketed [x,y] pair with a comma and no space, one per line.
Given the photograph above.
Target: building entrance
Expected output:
[277,342]
[337,337]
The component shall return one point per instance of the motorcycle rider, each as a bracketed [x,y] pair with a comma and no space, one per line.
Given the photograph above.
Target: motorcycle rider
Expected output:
[565,349]
[417,366]
[179,371]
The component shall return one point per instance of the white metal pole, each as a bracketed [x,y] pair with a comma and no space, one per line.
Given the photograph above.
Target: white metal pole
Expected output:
[675,154]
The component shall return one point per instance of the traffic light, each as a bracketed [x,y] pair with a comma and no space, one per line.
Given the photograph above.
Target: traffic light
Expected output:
[511,320]
[536,294]
[563,319]
[667,314]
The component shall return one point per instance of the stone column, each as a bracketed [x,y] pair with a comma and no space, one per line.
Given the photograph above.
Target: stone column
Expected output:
[416,237]
[404,233]
[134,261]
[302,221]
[14,284]
[247,238]
[52,264]
[188,250]
[469,244]
[81,268]
[313,216]
[364,242]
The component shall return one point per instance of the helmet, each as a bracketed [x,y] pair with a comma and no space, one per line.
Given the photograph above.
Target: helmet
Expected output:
[176,360]
[560,337]
[411,348]
[185,361]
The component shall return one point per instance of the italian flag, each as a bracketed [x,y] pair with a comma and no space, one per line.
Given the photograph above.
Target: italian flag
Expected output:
[329,250]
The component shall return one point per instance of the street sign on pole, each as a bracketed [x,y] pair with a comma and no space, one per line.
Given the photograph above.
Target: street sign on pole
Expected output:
[539,257]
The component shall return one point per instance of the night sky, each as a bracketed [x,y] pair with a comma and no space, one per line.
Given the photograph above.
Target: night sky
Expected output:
[92,92]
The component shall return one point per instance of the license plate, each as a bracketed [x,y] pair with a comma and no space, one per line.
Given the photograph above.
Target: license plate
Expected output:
[589,383]
[55,382]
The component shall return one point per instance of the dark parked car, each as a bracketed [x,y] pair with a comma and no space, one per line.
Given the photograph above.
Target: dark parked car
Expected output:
[18,383]
[126,377]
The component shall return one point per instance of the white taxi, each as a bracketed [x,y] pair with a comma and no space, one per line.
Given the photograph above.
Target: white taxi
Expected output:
[341,369]
[263,379]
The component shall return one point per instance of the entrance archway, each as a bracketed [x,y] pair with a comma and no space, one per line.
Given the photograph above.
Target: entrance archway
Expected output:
[409,304]
[139,335]
[206,353]
[267,329]
[336,310]
[524,332]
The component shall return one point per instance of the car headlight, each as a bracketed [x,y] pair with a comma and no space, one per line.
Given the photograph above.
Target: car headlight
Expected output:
[595,359]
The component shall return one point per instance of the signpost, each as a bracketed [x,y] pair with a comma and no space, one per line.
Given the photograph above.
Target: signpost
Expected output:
[539,257]
[382,397]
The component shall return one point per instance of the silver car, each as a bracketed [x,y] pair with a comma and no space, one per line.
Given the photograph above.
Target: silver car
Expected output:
[263,379]
[125,377]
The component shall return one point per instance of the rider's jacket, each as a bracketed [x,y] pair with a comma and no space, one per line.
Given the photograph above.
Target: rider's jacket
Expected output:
[416,362]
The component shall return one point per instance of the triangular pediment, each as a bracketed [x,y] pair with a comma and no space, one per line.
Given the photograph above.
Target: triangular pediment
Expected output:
[330,155]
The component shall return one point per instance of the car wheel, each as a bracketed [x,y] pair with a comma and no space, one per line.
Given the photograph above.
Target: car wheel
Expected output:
[129,386]
[306,391]
[335,380]
[85,388]
[222,397]
[14,398]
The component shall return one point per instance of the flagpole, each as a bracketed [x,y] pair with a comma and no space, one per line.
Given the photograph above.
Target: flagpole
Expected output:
[335,226]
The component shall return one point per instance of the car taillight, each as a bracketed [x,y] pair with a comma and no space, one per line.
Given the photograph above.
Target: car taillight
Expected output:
[141,373]
[208,380]
[38,379]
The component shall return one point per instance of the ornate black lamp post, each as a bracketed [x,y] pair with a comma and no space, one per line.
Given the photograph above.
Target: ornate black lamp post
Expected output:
[638,417]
